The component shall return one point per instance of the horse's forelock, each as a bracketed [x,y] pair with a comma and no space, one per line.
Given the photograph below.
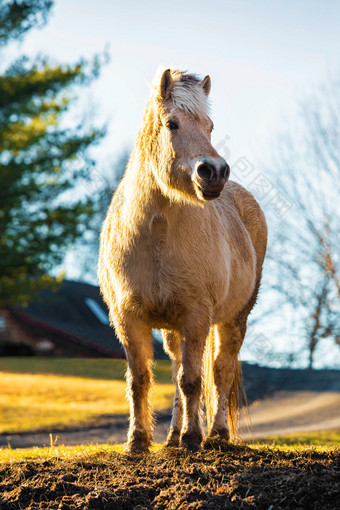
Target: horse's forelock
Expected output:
[187,93]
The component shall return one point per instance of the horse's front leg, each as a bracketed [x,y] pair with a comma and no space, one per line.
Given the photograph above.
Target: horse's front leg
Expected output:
[190,384]
[136,338]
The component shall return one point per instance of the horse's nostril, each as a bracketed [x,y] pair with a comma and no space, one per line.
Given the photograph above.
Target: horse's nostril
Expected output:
[225,171]
[205,172]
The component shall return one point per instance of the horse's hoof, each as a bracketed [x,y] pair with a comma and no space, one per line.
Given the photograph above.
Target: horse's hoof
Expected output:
[171,443]
[220,433]
[192,447]
[168,449]
[138,442]
[136,448]
[217,439]
[173,439]
[191,441]
[216,443]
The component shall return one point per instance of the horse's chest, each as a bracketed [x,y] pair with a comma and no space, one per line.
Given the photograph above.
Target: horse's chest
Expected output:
[167,274]
[157,245]
[160,285]
[164,269]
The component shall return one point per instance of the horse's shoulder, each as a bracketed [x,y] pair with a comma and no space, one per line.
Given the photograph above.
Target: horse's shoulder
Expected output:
[249,212]
[240,195]
[247,206]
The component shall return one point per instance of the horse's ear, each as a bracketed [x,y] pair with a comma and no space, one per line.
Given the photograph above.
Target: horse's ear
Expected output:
[166,84]
[206,84]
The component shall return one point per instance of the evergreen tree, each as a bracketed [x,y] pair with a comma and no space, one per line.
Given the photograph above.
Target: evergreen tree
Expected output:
[84,255]
[18,17]
[40,161]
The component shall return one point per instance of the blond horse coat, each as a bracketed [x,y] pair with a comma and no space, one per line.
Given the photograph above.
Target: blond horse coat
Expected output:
[181,250]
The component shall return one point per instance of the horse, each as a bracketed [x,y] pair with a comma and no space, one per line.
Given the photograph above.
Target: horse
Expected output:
[181,250]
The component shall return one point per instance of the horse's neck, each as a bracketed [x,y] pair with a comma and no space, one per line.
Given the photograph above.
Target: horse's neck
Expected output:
[143,199]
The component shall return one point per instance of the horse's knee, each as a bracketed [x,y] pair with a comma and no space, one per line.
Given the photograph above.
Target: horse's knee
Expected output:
[231,337]
[140,383]
[190,387]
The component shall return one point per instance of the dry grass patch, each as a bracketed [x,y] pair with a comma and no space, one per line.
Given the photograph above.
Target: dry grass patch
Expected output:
[31,402]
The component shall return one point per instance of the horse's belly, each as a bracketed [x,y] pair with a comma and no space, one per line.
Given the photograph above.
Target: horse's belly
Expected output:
[173,296]
[164,301]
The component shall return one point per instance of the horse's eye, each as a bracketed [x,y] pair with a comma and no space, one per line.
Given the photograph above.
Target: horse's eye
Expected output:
[172,125]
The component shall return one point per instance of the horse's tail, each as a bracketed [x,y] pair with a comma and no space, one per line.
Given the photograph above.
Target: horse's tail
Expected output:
[208,377]
[234,404]
[237,395]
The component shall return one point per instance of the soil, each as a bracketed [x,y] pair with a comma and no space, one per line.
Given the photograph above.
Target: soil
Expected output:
[230,477]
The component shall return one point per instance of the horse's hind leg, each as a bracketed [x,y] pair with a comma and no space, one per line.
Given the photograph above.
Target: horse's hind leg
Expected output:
[136,338]
[172,345]
[228,341]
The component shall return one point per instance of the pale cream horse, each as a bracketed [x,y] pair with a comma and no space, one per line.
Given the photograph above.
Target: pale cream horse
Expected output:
[181,250]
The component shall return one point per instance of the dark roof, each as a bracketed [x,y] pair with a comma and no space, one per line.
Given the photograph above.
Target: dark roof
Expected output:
[65,311]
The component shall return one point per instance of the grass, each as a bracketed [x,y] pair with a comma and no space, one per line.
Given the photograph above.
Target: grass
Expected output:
[42,394]
[315,441]
[55,452]
[327,438]
[102,369]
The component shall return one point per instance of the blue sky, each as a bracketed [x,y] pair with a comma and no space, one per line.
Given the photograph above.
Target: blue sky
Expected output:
[264,57]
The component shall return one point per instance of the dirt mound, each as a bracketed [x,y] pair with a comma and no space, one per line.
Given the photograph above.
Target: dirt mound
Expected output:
[238,477]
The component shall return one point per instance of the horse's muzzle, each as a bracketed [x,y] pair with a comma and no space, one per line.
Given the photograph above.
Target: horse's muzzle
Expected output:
[210,195]
[210,176]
